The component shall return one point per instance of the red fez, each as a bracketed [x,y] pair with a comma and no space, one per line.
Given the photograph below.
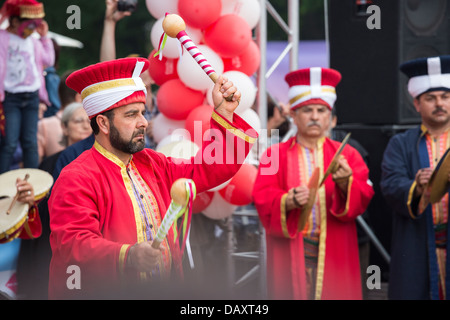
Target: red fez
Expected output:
[312,86]
[25,9]
[111,84]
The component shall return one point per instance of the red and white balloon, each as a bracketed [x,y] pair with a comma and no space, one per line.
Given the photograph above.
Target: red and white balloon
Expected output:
[222,31]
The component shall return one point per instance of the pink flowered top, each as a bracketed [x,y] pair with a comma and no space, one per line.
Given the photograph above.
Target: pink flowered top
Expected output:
[44,57]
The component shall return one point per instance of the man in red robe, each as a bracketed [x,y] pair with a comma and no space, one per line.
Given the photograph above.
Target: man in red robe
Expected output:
[107,206]
[314,258]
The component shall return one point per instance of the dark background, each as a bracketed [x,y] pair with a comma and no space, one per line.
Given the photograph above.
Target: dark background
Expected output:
[373,102]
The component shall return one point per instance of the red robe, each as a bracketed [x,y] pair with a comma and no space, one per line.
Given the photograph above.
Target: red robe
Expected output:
[338,271]
[94,218]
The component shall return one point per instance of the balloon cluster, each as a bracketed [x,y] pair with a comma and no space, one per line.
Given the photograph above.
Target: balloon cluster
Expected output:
[222,31]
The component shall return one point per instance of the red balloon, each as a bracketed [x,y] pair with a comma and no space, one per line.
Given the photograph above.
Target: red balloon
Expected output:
[229,36]
[199,13]
[202,200]
[200,114]
[219,208]
[162,70]
[175,100]
[239,190]
[247,62]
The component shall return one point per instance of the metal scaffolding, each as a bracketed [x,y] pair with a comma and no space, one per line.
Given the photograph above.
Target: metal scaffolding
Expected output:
[291,28]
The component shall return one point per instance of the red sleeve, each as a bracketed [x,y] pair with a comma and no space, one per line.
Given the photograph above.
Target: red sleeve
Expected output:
[220,156]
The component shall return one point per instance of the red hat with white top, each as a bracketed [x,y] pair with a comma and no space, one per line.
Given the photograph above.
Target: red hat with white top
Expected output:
[24,9]
[110,84]
[312,86]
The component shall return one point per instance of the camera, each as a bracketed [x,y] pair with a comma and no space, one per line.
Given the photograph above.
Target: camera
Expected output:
[127,5]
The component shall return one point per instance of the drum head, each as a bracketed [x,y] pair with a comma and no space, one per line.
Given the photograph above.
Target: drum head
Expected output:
[41,181]
[12,223]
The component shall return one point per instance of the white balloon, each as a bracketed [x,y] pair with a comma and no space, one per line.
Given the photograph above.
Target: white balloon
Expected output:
[252,118]
[252,157]
[177,135]
[192,74]
[220,186]
[208,95]
[244,84]
[163,127]
[158,8]
[219,208]
[195,34]
[183,149]
[249,10]
[172,48]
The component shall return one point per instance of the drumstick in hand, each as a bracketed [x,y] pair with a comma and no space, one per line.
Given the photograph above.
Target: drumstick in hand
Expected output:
[16,196]
[179,195]
[174,27]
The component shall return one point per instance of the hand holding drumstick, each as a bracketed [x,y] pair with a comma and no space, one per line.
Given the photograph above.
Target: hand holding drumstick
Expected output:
[25,193]
[225,95]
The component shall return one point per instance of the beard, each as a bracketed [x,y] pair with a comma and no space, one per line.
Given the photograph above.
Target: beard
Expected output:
[130,146]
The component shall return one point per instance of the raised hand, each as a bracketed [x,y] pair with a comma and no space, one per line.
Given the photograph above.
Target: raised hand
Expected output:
[224,88]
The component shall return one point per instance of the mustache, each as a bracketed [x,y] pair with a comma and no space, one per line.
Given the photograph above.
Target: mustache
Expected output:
[439,109]
[313,123]
[139,132]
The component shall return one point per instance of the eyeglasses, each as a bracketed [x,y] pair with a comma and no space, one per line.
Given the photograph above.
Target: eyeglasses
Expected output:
[80,120]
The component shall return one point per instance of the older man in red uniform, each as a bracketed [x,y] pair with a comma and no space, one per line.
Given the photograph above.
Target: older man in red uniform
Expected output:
[107,205]
[320,259]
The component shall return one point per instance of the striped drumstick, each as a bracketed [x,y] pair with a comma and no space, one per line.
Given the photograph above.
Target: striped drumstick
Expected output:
[193,50]
[174,27]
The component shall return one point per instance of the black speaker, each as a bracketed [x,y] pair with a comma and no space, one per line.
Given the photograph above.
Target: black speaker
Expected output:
[372,89]
[374,139]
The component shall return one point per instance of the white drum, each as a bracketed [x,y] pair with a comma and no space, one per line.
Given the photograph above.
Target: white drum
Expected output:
[12,224]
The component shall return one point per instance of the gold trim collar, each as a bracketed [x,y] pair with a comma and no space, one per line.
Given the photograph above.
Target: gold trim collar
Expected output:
[110,156]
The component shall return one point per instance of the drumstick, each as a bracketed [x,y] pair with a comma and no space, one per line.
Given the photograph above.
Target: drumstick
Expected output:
[16,196]
[174,27]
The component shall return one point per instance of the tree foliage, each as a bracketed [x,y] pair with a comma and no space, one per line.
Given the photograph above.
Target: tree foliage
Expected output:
[133,33]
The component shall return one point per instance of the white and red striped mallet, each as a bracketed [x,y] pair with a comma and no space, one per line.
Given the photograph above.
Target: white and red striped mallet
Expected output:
[174,26]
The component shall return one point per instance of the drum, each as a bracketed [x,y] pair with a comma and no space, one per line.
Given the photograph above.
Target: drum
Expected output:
[12,224]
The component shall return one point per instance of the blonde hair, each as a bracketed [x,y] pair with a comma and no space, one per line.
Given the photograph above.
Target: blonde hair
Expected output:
[68,111]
